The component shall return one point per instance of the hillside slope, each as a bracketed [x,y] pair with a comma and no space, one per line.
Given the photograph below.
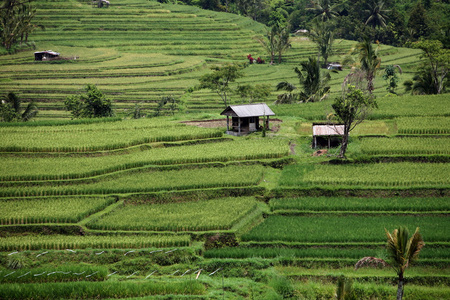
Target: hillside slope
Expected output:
[138,51]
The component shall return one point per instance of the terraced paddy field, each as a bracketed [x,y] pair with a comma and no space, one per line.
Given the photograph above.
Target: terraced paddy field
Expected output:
[136,52]
[160,201]
[164,208]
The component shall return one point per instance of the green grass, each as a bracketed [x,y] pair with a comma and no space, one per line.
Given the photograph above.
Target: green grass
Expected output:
[64,273]
[388,108]
[353,204]
[403,174]
[70,167]
[435,125]
[315,252]
[50,210]
[217,214]
[57,242]
[73,139]
[137,51]
[405,146]
[150,181]
[77,290]
[332,228]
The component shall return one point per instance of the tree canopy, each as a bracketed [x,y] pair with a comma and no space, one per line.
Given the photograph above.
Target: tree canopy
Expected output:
[93,104]
[219,80]
[11,109]
[314,81]
[390,22]
[350,110]
[15,21]
[432,77]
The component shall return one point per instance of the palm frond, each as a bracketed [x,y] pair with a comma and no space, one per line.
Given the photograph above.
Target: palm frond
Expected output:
[399,69]
[414,245]
[30,111]
[12,99]
[286,86]
[370,261]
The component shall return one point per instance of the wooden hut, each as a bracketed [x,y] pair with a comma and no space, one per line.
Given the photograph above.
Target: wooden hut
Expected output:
[330,133]
[45,55]
[245,118]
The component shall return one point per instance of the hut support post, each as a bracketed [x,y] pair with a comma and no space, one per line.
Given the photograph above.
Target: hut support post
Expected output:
[239,126]
[228,123]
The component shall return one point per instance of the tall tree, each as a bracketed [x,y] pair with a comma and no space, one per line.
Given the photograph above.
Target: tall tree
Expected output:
[250,8]
[219,80]
[11,109]
[418,22]
[282,41]
[369,60]
[269,42]
[435,66]
[15,21]
[322,34]
[314,81]
[352,109]
[276,41]
[93,104]
[325,10]
[377,14]
[402,250]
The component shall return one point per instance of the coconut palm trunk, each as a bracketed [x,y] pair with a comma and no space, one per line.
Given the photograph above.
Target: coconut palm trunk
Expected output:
[400,287]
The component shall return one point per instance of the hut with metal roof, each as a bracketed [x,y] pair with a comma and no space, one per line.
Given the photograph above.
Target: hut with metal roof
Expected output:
[45,55]
[245,118]
[328,134]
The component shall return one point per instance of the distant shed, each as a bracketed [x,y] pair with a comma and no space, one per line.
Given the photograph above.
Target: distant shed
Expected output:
[45,55]
[245,118]
[330,132]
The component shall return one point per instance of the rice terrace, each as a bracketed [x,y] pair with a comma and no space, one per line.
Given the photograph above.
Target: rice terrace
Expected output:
[168,187]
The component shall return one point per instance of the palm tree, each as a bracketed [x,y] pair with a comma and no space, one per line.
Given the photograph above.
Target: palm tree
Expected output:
[287,97]
[325,10]
[323,36]
[282,41]
[269,42]
[422,84]
[344,289]
[276,41]
[10,109]
[313,80]
[401,250]
[370,62]
[15,21]
[377,17]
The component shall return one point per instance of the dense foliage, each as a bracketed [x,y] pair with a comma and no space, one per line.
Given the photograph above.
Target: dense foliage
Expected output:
[389,21]
[155,208]
[93,104]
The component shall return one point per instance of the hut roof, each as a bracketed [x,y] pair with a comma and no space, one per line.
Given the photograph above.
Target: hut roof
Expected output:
[47,52]
[248,110]
[328,130]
